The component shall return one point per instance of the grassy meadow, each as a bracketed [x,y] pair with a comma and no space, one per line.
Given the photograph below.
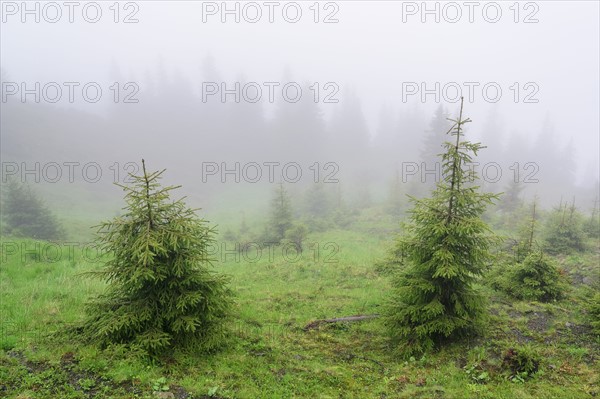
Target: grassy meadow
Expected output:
[270,353]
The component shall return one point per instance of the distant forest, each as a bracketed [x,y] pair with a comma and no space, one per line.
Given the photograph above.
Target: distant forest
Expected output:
[171,123]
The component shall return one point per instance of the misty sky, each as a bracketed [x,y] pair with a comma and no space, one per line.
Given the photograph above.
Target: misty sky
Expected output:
[370,51]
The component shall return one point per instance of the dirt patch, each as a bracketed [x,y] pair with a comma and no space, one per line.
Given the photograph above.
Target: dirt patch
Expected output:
[32,367]
[521,338]
[578,334]
[539,322]
[578,329]
[514,315]
[179,392]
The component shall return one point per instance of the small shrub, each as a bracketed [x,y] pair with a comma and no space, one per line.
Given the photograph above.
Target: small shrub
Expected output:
[564,231]
[591,227]
[281,219]
[26,215]
[297,235]
[536,278]
[476,374]
[522,361]
[160,384]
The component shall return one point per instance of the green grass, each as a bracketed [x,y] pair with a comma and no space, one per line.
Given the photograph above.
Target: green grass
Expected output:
[269,354]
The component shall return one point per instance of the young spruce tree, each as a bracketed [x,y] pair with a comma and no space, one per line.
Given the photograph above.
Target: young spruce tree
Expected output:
[564,230]
[161,292]
[444,249]
[26,215]
[535,275]
[281,219]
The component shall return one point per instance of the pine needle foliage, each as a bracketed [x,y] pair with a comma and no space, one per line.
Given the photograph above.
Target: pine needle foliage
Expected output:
[161,293]
[443,250]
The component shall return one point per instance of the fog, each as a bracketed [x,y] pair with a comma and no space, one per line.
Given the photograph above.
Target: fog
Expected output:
[378,80]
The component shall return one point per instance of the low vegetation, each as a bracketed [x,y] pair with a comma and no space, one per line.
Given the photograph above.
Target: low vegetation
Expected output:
[291,308]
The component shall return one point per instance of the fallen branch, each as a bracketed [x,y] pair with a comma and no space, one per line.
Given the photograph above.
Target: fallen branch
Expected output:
[317,323]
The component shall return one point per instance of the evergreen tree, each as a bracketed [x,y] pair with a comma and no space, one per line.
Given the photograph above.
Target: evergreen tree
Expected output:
[386,137]
[430,167]
[536,278]
[527,241]
[25,214]
[318,207]
[350,143]
[492,134]
[592,225]
[281,214]
[533,275]
[297,235]
[341,215]
[161,292]
[556,164]
[444,249]
[433,142]
[318,203]
[296,127]
[564,230]
[512,199]
[511,207]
